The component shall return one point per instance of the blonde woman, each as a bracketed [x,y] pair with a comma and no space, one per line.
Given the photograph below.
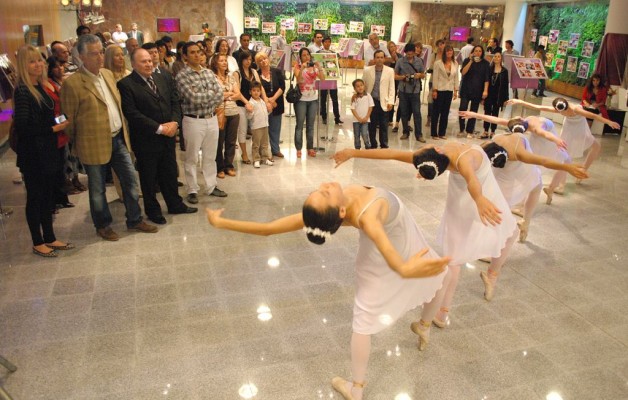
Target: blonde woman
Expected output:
[37,154]
[114,62]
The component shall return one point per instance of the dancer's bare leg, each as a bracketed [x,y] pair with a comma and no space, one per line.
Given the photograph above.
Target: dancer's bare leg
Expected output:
[559,176]
[490,278]
[422,327]
[528,210]
[594,153]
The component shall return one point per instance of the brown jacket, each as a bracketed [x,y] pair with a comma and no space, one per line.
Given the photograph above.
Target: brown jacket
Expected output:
[87,113]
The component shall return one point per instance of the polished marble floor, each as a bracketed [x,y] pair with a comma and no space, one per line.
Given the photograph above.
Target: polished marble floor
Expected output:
[195,313]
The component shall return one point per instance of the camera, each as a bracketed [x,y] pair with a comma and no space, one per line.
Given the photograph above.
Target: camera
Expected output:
[61,118]
[310,64]
[409,78]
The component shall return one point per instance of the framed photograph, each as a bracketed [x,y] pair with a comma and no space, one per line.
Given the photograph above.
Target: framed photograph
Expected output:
[251,23]
[356,26]
[587,49]
[329,63]
[562,47]
[529,68]
[543,41]
[304,28]
[549,58]
[553,36]
[572,64]
[276,57]
[356,49]
[321,24]
[287,24]
[560,63]
[269,27]
[379,30]
[583,71]
[533,33]
[296,46]
[337,29]
[574,39]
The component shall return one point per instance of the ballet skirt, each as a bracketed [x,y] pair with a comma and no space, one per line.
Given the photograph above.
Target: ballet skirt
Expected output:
[543,147]
[382,296]
[577,134]
[517,179]
[461,233]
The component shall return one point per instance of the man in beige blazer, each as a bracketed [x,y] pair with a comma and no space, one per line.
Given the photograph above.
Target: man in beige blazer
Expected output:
[380,84]
[91,102]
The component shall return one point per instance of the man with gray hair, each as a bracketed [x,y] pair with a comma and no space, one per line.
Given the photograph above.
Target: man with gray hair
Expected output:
[91,101]
[131,45]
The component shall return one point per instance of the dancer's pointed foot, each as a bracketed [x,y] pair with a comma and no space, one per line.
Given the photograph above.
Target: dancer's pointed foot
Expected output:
[442,318]
[523,230]
[422,329]
[549,192]
[517,211]
[348,390]
[489,285]
[560,190]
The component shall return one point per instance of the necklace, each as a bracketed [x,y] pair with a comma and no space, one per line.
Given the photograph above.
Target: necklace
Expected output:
[495,78]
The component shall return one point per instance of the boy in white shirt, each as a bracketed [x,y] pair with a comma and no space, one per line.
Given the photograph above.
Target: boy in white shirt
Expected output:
[259,126]
[361,106]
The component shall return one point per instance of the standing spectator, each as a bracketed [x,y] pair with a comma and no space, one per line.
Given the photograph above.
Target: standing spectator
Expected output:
[306,72]
[493,46]
[92,104]
[409,70]
[131,45]
[394,57]
[594,96]
[473,88]
[37,153]
[115,62]
[222,47]
[80,31]
[245,42]
[61,53]
[178,64]
[200,94]
[440,45]
[274,85]
[151,106]
[497,93]
[444,90]
[119,37]
[135,34]
[333,93]
[540,54]
[317,43]
[169,56]
[259,127]
[466,50]
[245,75]
[361,107]
[511,51]
[380,84]
[372,47]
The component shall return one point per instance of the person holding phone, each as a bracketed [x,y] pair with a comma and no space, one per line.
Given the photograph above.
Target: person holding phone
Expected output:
[306,72]
[476,74]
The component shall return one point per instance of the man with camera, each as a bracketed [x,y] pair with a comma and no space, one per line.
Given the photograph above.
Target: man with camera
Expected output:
[409,70]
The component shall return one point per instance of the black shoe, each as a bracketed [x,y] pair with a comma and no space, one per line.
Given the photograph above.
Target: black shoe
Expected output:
[184,210]
[383,146]
[180,184]
[158,219]
[410,129]
[192,198]
[404,137]
[420,139]
[218,193]
[324,121]
[338,122]
[395,129]
[65,205]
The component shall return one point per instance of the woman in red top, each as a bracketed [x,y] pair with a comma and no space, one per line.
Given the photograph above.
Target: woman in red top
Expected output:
[594,96]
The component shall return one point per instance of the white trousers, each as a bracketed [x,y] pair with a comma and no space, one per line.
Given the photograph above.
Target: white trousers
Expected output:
[200,134]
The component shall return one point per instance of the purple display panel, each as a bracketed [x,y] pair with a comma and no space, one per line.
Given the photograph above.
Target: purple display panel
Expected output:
[168,25]
[516,81]
[459,34]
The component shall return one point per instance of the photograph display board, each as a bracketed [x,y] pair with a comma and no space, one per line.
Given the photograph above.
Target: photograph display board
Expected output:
[251,23]
[296,46]
[344,46]
[321,24]
[574,39]
[533,33]
[516,81]
[379,30]
[329,63]
[356,26]
[583,71]
[277,59]
[587,49]
[357,49]
[572,64]
[304,28]
[269,27]
[529,68]
[560,65]
[337,29]
[287,24]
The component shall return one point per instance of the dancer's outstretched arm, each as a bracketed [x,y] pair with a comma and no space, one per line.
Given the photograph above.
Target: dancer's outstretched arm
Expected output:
[290,223]
[489,214]
[597,117]
[549,136]
[530,158]
[532,106]
[379,154]
[483,117]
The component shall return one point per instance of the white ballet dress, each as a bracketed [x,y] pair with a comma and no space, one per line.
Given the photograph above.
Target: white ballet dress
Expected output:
[517,179]
[462,234]
[577,134]
[382,296]
[543,147]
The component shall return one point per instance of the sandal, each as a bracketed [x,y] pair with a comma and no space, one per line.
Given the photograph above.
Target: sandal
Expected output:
[50,254]
[67,246]
[247,162]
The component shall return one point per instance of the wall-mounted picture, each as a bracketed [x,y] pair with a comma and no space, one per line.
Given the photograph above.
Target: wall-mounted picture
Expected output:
[296,46]
[574,39]
[562,47]
[287,24]
[356,26]
[553,36]
[304,28]
[321,24]
[533,33]
[269,27]
[572,64]
[583,71]
[560,64]
[251,23]
[549,57]
[543,41]
[379,30]
[587,49]
[337,29]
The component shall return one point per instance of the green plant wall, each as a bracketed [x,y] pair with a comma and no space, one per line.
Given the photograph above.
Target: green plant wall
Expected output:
[336,12]
[587,19]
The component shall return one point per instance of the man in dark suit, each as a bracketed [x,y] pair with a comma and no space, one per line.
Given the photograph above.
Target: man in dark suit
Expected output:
[151,106]
[135,34]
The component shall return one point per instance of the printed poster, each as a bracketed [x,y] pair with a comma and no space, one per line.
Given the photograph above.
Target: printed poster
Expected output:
[543,41]
[296,46]
[587,50]
[549,57]
[251,23]
[342,44]
[583,71]
[287,24]
[560,63]
[553,36]
[329,63]
[304,28]
[275,58]
[321,24]
[574,39]
[337,29]
[529,68]
[379,30]
[572,64]
[533,33]
[356,49]
[562,47]
[356,26]
[269,27]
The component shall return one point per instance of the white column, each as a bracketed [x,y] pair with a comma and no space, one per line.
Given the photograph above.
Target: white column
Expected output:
[234,15]
[400,15]
[515,13]
[616,20]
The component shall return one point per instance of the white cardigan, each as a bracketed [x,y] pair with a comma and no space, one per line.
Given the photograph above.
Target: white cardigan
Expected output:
[443,82]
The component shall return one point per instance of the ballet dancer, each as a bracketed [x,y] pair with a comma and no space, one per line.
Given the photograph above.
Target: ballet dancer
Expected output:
[395,268]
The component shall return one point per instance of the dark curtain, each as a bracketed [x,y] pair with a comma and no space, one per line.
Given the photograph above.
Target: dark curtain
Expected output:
[611,62]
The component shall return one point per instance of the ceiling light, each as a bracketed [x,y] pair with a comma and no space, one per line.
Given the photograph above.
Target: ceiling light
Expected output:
[65,2]
[87,3]
[97,3]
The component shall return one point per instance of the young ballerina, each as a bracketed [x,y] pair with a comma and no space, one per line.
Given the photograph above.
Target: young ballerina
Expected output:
[575,132]
[396,270]
[472,226]
[515,169]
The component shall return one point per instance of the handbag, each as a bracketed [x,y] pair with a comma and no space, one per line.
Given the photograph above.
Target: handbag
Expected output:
[222,118]
[293,95]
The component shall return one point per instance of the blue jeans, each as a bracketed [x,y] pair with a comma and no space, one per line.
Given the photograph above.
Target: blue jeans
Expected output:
[122,165]
[274,132]
[361,129]
[410,103]
[303,110]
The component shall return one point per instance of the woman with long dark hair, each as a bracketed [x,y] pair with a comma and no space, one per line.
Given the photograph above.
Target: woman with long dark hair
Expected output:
[473,87]
[306,72]
[594,96]
[444,90]
[497,93]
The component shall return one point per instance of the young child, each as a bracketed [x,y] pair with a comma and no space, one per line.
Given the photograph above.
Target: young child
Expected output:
[259,126]
[361,107]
